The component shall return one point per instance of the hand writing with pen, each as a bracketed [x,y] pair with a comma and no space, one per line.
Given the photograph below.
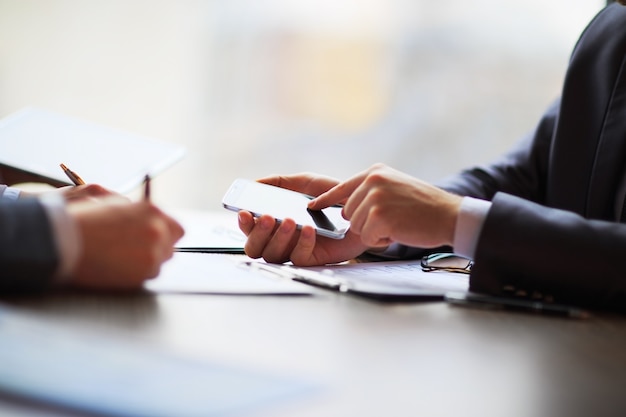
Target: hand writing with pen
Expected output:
[107,241]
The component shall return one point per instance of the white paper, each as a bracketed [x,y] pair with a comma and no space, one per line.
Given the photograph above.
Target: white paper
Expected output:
[212,273]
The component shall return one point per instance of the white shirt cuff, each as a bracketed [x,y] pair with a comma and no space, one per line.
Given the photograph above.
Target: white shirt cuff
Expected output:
[10,193]
[469,223]
[66,234]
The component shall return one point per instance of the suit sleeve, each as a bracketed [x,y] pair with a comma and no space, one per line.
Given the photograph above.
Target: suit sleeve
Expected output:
[28,257]
[526,249]
[531,247]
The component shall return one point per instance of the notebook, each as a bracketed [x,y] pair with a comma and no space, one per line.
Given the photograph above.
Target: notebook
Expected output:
[37,141]
[209,231]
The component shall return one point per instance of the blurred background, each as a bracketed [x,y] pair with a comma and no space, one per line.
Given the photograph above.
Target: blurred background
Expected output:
[256,87]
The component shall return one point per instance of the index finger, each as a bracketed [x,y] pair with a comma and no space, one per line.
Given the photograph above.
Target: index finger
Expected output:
[338,193]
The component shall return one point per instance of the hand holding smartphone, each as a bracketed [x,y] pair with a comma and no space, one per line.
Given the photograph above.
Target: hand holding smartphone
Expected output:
[259,199]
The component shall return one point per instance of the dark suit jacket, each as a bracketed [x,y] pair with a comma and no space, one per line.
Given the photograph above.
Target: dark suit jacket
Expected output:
[552,229]
[28,256]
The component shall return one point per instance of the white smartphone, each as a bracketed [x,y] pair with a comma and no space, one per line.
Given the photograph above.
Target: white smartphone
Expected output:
[258,199]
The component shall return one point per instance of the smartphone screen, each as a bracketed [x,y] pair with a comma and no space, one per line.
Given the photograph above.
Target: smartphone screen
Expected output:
[281,203]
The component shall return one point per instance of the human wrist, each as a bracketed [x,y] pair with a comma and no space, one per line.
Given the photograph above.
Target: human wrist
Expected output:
[452,210]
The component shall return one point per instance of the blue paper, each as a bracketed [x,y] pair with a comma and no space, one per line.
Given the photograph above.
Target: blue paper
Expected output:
[111,377]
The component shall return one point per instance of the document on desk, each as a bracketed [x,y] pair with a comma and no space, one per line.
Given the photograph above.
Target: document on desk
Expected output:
[88,372]
[209,231]
[388,280]
[214,273]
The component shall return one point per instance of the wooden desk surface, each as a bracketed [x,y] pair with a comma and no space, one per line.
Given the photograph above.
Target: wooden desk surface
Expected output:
[426,359]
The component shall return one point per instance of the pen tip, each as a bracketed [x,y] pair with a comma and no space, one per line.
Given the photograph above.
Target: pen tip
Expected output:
[63,167]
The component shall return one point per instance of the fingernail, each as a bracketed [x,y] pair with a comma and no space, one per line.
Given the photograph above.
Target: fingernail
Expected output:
[287,227]
[308,232]
[264,222]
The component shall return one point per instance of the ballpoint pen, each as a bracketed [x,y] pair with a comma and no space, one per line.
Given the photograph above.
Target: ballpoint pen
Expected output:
[74,177]
[146,188]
